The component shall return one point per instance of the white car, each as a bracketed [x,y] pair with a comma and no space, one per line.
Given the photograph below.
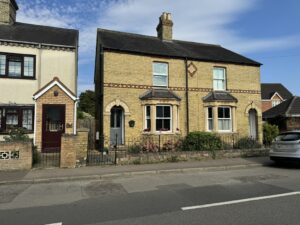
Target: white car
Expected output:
[286,147]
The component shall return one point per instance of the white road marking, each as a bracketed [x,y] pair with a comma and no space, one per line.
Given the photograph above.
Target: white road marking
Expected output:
[239,201]
[55,224]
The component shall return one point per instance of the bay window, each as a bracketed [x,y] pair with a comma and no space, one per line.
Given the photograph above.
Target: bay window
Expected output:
[163,118]
[160,74]
[224,119]
[219,79]
[16,117]
[148,118]
[210,120]
[17,66]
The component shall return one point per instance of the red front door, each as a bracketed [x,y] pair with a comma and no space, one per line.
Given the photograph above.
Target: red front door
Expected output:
[53,127]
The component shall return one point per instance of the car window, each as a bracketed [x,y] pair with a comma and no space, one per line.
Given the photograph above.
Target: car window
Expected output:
[288,137]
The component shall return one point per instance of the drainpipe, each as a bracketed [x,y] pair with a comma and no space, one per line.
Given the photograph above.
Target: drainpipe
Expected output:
[187,97]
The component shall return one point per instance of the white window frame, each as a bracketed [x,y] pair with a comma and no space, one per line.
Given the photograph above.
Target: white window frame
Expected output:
[147,117]
[160,74]
[230,118]
[210,119]
[3,64]
[171,119]
[217,79]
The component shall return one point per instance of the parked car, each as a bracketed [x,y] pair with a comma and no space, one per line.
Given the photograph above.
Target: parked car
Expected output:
[286,146]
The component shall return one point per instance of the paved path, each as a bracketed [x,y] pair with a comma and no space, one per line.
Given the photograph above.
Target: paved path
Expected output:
[100,172]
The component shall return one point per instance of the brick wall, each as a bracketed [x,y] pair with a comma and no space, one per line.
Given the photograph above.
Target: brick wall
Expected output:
[15,156]
[74,149]
[266,105]
[49,98]
[122,69]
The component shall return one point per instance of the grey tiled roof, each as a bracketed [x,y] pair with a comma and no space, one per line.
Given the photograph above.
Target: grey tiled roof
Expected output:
[22,32]
[159,94]
[269,89]
[219,96]
[288,108]
[142,44]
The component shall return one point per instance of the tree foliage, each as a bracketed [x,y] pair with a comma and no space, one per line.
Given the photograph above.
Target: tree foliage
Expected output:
[87,102]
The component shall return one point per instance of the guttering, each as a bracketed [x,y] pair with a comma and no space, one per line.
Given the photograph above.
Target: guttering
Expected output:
[36,43]
[187,97]
[75,118]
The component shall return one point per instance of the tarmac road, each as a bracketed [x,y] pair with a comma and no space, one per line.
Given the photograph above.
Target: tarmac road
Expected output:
[260,195]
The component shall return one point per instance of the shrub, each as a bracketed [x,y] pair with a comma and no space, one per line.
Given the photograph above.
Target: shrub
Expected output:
[134,149]
[172,146]
[201,141]
[247,143]
[270,133]
[149,146]
[18,134]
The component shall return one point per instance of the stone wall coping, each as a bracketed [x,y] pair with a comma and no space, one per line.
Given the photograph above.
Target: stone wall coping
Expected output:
[83,130]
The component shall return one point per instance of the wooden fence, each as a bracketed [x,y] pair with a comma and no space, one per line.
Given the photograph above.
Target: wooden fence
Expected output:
[89,123]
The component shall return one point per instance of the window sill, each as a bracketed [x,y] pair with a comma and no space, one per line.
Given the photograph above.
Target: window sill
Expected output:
[17,78]
[160,133]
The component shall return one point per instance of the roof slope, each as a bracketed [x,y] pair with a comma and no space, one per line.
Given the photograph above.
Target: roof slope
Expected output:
[288,108]
[22,32]
[142,44]
[269,89]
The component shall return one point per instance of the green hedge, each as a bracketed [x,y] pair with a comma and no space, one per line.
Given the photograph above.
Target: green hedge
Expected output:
[201,141]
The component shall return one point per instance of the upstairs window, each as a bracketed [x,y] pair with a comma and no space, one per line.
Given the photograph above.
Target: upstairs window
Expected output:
[2,65]
[219,79]
[160,74]
[28,66]
[14,66]
[163,118]
[17,66]
[275,102]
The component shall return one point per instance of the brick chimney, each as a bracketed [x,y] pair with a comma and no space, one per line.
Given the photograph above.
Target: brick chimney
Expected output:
[165,27]
[8,12]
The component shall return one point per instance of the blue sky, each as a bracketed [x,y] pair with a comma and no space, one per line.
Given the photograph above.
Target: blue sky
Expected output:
[264,30]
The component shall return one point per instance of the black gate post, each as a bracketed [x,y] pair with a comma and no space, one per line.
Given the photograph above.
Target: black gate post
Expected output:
[116,148]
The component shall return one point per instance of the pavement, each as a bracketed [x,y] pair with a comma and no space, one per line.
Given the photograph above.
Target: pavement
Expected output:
[108,172]
[260,193]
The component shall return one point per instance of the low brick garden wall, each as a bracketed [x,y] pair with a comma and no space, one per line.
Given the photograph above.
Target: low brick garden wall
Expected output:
[143,158]
[15,156]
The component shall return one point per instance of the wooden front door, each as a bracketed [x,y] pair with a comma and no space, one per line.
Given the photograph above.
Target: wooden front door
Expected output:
[53,127]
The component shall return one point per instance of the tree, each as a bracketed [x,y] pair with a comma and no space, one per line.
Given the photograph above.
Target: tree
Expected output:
[87,102]
[270,132]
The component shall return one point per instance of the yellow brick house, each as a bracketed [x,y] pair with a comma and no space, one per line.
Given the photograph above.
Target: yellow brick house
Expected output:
[157,85]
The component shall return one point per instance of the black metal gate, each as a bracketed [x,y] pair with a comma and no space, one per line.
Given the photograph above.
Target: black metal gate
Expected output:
[96,158]
[46,160]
